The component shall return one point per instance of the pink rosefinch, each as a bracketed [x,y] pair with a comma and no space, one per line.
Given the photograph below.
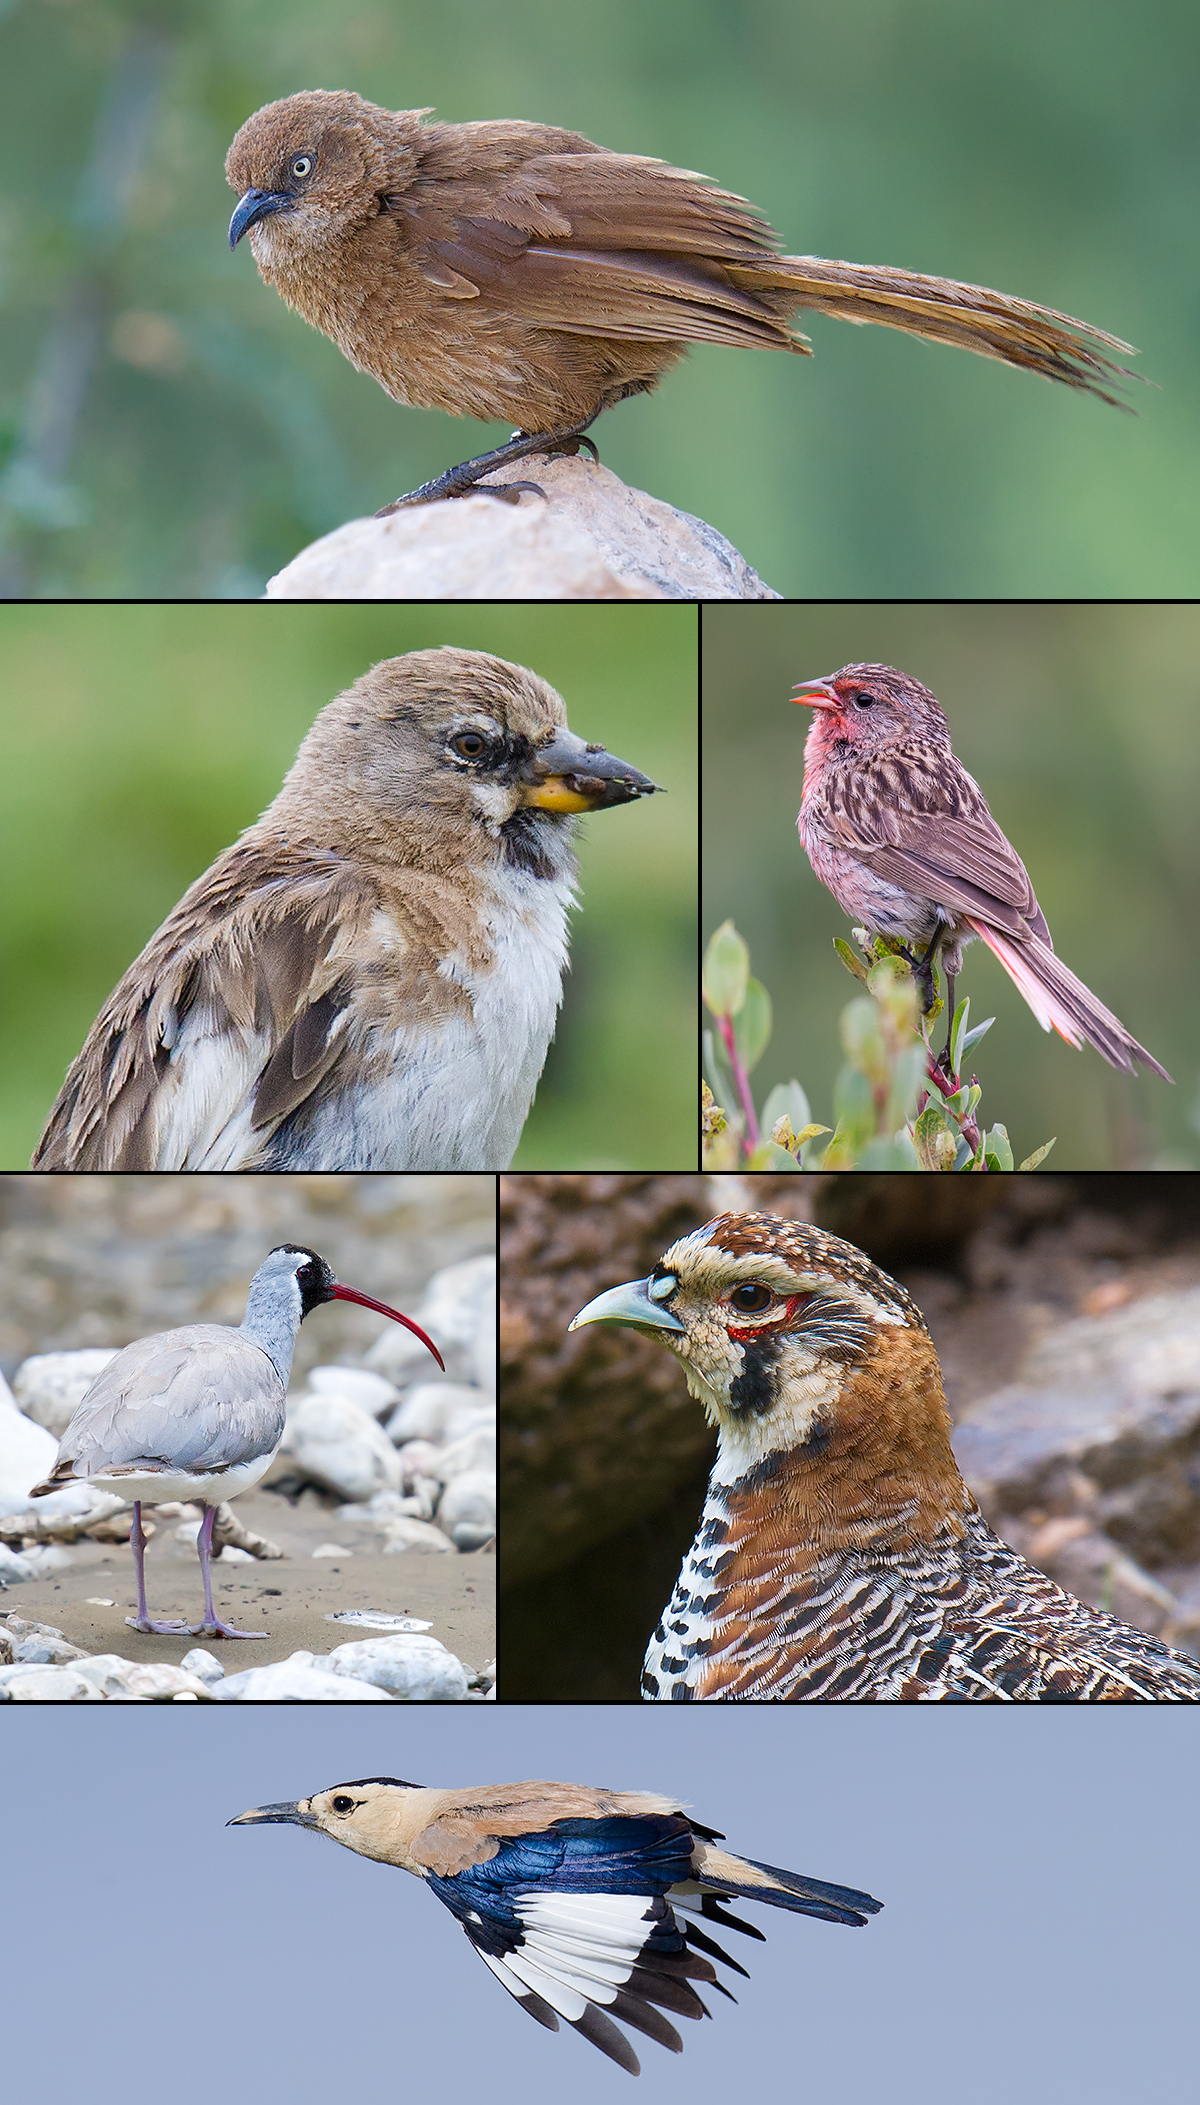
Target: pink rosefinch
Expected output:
[897,830]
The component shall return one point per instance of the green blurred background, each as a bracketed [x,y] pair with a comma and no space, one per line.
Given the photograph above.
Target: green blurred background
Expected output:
[1079,723]
[139,741]
[172,430]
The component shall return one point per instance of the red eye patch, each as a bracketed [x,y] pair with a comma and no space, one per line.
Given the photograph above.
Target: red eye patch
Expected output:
[793,1302]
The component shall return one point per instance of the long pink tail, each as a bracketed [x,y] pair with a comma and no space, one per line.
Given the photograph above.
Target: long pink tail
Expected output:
[1061,1001]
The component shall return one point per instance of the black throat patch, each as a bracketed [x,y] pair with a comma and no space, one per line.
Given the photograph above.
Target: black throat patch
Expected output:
[521,845]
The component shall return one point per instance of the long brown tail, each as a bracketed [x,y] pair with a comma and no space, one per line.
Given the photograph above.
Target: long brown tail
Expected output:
[1057,998]
[1015,331]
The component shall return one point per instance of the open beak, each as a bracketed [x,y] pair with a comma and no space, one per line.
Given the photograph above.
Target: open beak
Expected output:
[816,694]
[569,775]
[256,205]
[351,1293]
[628,1304]
[290,1812]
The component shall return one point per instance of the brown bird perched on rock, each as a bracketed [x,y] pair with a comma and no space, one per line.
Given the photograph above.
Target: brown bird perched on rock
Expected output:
[514,270]
[898,831]
[839,1553]
[369,978]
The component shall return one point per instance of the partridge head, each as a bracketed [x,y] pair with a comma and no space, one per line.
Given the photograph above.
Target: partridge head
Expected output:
[839,1552]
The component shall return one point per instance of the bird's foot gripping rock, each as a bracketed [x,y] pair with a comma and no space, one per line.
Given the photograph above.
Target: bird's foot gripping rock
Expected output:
[465,480]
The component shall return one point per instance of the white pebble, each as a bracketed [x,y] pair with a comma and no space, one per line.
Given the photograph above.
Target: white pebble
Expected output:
[332,1549]
[414,1669]
[202,1665]
[370,1391]
[414,1535]
[49,1386]
[467,1512]
[339,1445]
[295,1680]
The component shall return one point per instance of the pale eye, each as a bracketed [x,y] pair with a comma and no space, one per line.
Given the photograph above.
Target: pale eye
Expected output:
[751,1299]
[662,1289]
[302,166]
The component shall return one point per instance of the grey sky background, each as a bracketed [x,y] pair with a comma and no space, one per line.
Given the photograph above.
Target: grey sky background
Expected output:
[1039,1869]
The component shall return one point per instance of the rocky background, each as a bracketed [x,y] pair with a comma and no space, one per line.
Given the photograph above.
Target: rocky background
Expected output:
[1066,1311]
[382,1452]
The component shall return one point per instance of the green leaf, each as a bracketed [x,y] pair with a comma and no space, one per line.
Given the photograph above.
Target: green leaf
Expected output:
[853,1106]
[862,1039]
[907,1074]
[973,1037]
[1038,1156]
[957,1030]
[887,1154]
[771,1156]
[720,1077]
[726,971]
[752,1024]
[997,1148]
[934,1139]
[850,961]
[787,1100]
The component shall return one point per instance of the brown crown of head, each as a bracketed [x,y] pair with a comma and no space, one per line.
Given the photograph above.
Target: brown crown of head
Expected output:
[326,149]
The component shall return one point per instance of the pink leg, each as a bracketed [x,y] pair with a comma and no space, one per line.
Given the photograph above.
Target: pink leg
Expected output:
[212,1626]
[141,1620]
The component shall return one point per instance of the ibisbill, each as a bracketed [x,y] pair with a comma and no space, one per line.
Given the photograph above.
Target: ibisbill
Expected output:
[369,978]
[198,1413]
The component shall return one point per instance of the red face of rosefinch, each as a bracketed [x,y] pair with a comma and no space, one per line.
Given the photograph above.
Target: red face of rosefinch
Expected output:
[869,707]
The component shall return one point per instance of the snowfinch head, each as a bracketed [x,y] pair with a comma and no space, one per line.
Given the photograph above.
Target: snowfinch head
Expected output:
[868,708]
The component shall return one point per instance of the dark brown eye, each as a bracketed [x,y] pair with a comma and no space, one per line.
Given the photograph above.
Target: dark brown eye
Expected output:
[751,1300]
[343,1805]
[864,701]
[469,745]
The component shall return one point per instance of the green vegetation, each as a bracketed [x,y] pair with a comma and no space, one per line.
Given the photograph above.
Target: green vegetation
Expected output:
[897,1105]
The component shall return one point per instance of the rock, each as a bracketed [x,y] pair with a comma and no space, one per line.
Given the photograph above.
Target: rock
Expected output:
[156,1683]
[414,1535]
[300,1679]
[418,1460]
[413,1668]
[591,537]
[467,1511]
[188,1530]
[50,1385]
[27,1453]
[456,1309]
[231,1536]
[51,1650]
[6,1649]
[46,1684]
[331,1549]
[385,1505]
[599,1428]
[334,1441]
[39,1560]
[202,1665]
[439,1411]
[14,1568]
[376,1394]
[84,1510]
[1115,1397]
[474,1453]
[377,1619]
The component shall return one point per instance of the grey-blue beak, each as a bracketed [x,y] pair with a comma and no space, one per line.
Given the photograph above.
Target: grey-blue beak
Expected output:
[287,1811]
[256,205]
[629,1304]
